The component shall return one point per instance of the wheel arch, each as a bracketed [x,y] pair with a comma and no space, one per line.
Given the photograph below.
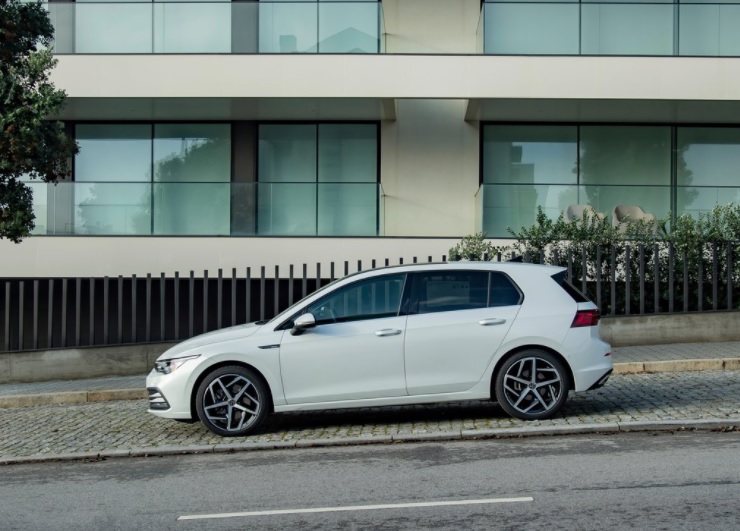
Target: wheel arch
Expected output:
[516,350]
[227,363]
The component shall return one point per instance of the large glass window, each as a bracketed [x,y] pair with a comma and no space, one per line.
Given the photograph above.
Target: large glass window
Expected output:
[561,168]
[192,169]
[611,27]
[160,178]
[707,167]
[318,179]
[531,28]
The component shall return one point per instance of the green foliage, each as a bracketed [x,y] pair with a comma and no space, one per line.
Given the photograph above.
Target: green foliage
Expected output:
[474,248]
[31,146]
[662,260]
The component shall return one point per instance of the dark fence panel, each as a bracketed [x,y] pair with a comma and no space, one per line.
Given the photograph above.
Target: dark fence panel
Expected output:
[47,313]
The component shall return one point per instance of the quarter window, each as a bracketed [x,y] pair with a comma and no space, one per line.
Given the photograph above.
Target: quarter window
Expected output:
[367,299]
[503,292]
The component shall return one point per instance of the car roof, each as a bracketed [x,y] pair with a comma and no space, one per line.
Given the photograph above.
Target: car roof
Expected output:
[464,264]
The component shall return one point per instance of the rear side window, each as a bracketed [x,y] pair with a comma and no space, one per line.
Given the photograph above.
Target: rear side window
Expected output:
[568,287]
[447,291]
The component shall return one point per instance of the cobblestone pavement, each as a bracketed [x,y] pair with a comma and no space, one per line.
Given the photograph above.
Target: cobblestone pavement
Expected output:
[125,425]
[679,351]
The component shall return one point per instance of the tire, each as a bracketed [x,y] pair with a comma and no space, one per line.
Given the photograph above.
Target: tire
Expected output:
[529,394]
[233,401]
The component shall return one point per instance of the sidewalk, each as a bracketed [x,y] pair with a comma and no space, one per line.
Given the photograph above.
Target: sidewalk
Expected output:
[677,357]
[650,400]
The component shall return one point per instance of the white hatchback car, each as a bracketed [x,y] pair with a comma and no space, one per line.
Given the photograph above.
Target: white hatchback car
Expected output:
[516,333]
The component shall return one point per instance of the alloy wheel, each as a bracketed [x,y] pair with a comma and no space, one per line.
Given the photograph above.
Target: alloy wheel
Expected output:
[232,403]
[533,386]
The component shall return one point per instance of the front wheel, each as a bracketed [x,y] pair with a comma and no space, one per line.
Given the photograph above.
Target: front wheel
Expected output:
[232,401]
[532,385]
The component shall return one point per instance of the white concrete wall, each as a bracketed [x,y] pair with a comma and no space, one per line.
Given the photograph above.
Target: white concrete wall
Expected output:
[431,26]
[429,169]
[47,256]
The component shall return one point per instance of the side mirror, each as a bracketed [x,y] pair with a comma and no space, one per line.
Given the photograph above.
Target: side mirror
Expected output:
[303,323]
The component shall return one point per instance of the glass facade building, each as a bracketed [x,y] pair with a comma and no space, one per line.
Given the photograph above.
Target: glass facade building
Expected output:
[217,26]
[622,27]
[662,169]
[194,179]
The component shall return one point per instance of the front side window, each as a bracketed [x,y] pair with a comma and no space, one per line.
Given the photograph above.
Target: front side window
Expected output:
[446,291]
[366,299]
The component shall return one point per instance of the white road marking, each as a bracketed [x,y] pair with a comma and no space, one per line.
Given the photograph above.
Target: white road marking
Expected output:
[356,508]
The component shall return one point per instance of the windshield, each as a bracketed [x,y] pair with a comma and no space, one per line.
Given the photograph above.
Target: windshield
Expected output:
[292,307]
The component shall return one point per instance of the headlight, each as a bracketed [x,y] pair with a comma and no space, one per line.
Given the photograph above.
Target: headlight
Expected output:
[168,366]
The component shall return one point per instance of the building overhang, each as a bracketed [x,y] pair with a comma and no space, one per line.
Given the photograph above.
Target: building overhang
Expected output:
[602,110]
[227,108]
[346,87]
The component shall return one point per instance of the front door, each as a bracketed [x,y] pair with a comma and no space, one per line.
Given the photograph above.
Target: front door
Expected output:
[356,349]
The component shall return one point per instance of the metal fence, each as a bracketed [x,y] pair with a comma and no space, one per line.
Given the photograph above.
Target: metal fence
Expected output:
[47,313]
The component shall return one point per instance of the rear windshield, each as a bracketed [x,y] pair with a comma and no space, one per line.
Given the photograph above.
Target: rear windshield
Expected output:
[568,287]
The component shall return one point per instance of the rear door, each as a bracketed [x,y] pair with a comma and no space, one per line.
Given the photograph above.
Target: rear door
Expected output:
[457,321]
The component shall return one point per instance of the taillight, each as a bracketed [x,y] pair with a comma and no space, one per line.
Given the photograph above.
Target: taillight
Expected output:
[586,318]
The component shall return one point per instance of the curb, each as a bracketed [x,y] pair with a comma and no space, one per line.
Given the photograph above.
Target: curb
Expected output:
[730,424]
[82,397]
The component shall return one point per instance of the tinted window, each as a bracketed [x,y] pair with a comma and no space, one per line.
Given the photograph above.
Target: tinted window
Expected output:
[450,290]
[366,299]
[503,291]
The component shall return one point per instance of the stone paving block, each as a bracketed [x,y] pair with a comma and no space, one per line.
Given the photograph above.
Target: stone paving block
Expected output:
[732,364]
[366,439]
[419,437]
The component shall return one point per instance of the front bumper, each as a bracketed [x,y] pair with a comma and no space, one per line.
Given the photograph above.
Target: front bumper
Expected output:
[169,394]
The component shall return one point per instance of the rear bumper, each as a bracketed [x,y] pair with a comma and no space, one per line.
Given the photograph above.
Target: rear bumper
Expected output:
[601,381]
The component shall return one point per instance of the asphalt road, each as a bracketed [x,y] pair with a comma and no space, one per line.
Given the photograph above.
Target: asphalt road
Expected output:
[671,481]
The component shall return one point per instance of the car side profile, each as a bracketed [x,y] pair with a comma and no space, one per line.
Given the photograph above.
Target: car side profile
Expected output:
[515,333]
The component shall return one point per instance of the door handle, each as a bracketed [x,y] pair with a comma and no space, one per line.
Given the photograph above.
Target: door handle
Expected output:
[387,332]
[491,322]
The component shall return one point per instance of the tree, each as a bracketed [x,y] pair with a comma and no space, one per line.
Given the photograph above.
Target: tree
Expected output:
[31,145]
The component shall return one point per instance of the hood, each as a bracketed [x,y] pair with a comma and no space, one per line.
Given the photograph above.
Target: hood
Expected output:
[224,334]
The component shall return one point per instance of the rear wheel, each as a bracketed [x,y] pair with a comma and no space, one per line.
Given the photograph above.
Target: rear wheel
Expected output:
[232,401]
[532,384]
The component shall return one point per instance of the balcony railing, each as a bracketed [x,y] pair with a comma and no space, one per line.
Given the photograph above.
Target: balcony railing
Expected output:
[610,28]
[503,206]
[208,209]
[182,27]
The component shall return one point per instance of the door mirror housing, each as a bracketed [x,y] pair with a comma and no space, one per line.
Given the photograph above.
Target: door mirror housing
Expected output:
[303,323]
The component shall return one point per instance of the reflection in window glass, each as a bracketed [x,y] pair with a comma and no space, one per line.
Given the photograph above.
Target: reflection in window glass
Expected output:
[192,152]
[348,153]
[451,291]
[112,208]
[287,153]
[114,152]
[613,154]
[530,154]
[708,156]
[347,209]
[368,299]
[288,27]
[348,27]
